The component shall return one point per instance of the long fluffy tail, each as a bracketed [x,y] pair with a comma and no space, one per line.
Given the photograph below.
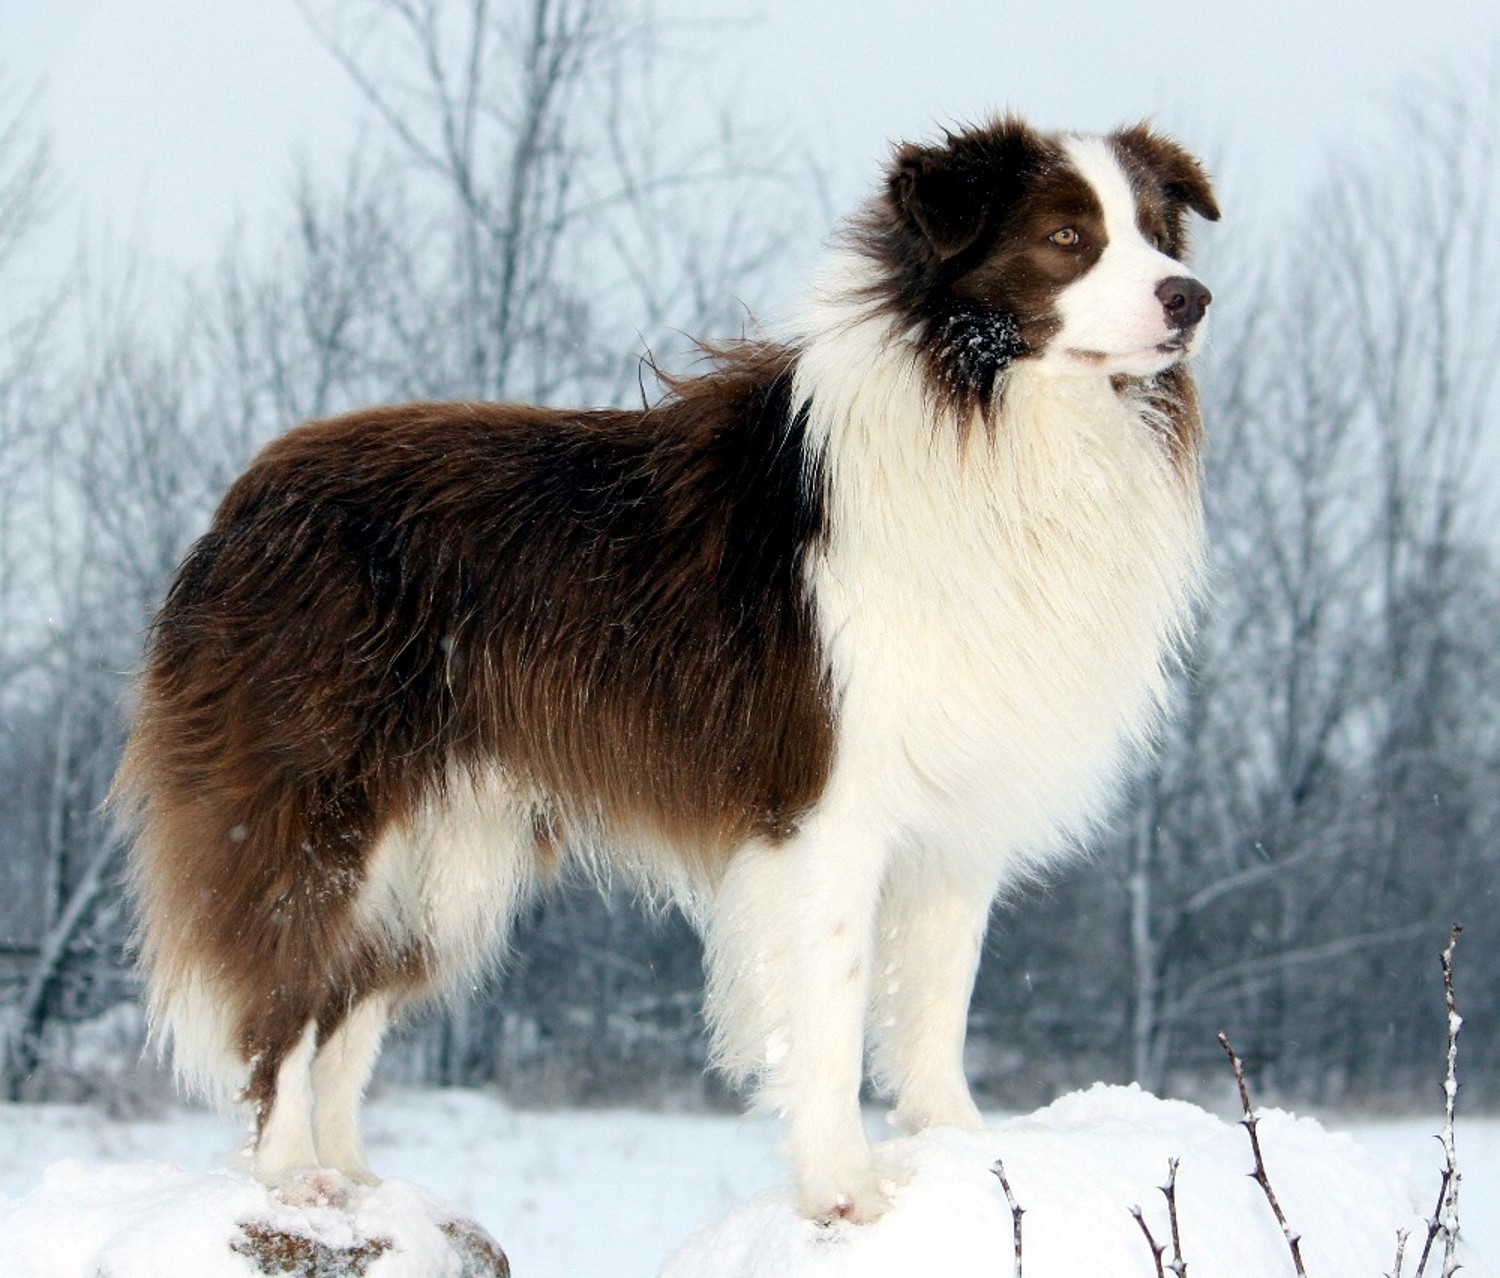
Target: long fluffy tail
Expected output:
[193,1009]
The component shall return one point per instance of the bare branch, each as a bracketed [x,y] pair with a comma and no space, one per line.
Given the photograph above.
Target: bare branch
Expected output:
[1245,974]
[1157,1249]
[1444,1218]
[1434,1224]
[1401,1236]
[85,894]
[1450,1103]
[1177,1265]
[26,175]
[1169,1191]
[1250,1122]
[1016,1211]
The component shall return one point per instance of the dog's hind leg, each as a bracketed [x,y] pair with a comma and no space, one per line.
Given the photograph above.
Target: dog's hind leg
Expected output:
[340,1072]
[931,932]
[284,1145]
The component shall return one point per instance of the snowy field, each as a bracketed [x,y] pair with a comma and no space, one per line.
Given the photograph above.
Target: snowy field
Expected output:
[580,1194]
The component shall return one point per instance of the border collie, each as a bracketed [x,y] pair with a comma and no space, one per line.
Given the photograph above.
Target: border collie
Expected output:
[830,643]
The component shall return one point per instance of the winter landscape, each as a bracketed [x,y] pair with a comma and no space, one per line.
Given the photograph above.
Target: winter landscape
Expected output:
[632,1194]
[216,221]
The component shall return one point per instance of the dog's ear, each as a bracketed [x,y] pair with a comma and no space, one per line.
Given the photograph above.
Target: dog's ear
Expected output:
[951,194]
[939,196]
[1181,177]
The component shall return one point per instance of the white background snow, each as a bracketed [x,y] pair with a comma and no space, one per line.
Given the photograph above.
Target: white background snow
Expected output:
[624,1194]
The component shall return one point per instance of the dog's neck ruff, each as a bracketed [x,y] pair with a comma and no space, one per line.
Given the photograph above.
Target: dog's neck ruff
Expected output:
[1031,581]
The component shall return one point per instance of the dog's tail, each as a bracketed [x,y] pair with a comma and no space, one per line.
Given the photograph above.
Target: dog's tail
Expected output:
[195,1005]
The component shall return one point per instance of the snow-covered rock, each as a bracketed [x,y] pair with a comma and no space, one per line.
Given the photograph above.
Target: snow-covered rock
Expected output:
[1076,1168]
[150,1220]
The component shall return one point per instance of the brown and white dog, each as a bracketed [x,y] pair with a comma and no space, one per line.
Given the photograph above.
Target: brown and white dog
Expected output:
[831,643]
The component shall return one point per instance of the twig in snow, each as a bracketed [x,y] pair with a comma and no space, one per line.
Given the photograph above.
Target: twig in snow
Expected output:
[1169,1191]
[1445,1215]
[1450,1105]
[1401,1236]
[1016,1210]
[1156,1248]
[1250,1122]
[1177,1265]
[1434,1225]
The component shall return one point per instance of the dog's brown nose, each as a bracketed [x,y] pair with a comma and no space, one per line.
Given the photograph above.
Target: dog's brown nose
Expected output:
[1184,300]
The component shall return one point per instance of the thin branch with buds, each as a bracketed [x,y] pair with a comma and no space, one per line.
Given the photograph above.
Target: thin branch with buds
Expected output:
[1434,1227]
[1444,1219]
[1450,1104]
[1157,1249]
[1016,1210]
[1250,1122]
[1177,1265]
[1169,1191]
[1401,1236]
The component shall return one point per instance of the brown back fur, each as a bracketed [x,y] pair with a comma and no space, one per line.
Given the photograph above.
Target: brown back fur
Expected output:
[608,605]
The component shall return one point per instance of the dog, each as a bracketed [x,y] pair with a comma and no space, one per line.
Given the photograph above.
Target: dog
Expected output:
[841,636]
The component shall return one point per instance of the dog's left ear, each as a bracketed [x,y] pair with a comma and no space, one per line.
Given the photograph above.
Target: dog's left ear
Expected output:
[1182,178]
[939,196]
[951,194]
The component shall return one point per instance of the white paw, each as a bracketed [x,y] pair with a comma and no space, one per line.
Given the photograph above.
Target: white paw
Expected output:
[349,1163]
[859,1196]
[321,1187]
[915,1115]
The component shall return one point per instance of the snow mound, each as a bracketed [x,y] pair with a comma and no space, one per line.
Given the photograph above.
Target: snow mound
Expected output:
[146,1220]
[1076,1169]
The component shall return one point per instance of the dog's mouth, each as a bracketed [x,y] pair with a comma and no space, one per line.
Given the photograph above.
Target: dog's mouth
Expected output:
[1180,346]
[1157,358]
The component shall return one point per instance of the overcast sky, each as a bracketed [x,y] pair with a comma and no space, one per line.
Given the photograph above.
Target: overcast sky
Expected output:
[172,119]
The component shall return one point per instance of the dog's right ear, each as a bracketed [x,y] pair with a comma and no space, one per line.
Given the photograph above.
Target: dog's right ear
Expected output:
[939,196]
[1182,178]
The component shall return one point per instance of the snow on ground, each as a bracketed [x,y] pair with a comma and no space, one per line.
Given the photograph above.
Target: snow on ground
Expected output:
[151,1220]
[580,1194]
[1076,1168]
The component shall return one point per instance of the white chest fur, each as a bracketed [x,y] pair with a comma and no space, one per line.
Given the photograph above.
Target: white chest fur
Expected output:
[998,615]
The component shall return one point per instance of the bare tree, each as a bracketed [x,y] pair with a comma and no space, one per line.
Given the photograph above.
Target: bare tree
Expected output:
[557,211]
[318,325]
[25,331]
[128,492]
[26,186]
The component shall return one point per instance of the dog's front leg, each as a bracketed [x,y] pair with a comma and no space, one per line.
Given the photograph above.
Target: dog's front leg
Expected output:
[932,926]
[791,951]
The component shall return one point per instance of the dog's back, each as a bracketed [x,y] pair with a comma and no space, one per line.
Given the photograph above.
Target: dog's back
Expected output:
[605,608]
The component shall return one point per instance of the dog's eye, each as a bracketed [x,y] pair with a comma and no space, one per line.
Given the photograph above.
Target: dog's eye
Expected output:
[1067,237]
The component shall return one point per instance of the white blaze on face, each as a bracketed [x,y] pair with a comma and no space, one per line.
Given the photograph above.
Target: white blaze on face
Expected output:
[1112,319]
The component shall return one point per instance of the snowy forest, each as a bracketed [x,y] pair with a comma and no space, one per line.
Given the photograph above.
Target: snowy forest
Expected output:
[528,214]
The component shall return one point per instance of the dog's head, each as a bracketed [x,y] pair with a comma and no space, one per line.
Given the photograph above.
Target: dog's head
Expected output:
[1004,244]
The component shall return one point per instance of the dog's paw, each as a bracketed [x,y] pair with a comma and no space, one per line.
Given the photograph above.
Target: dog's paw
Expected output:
[857,1198]
[321,1187]
[915,1115]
